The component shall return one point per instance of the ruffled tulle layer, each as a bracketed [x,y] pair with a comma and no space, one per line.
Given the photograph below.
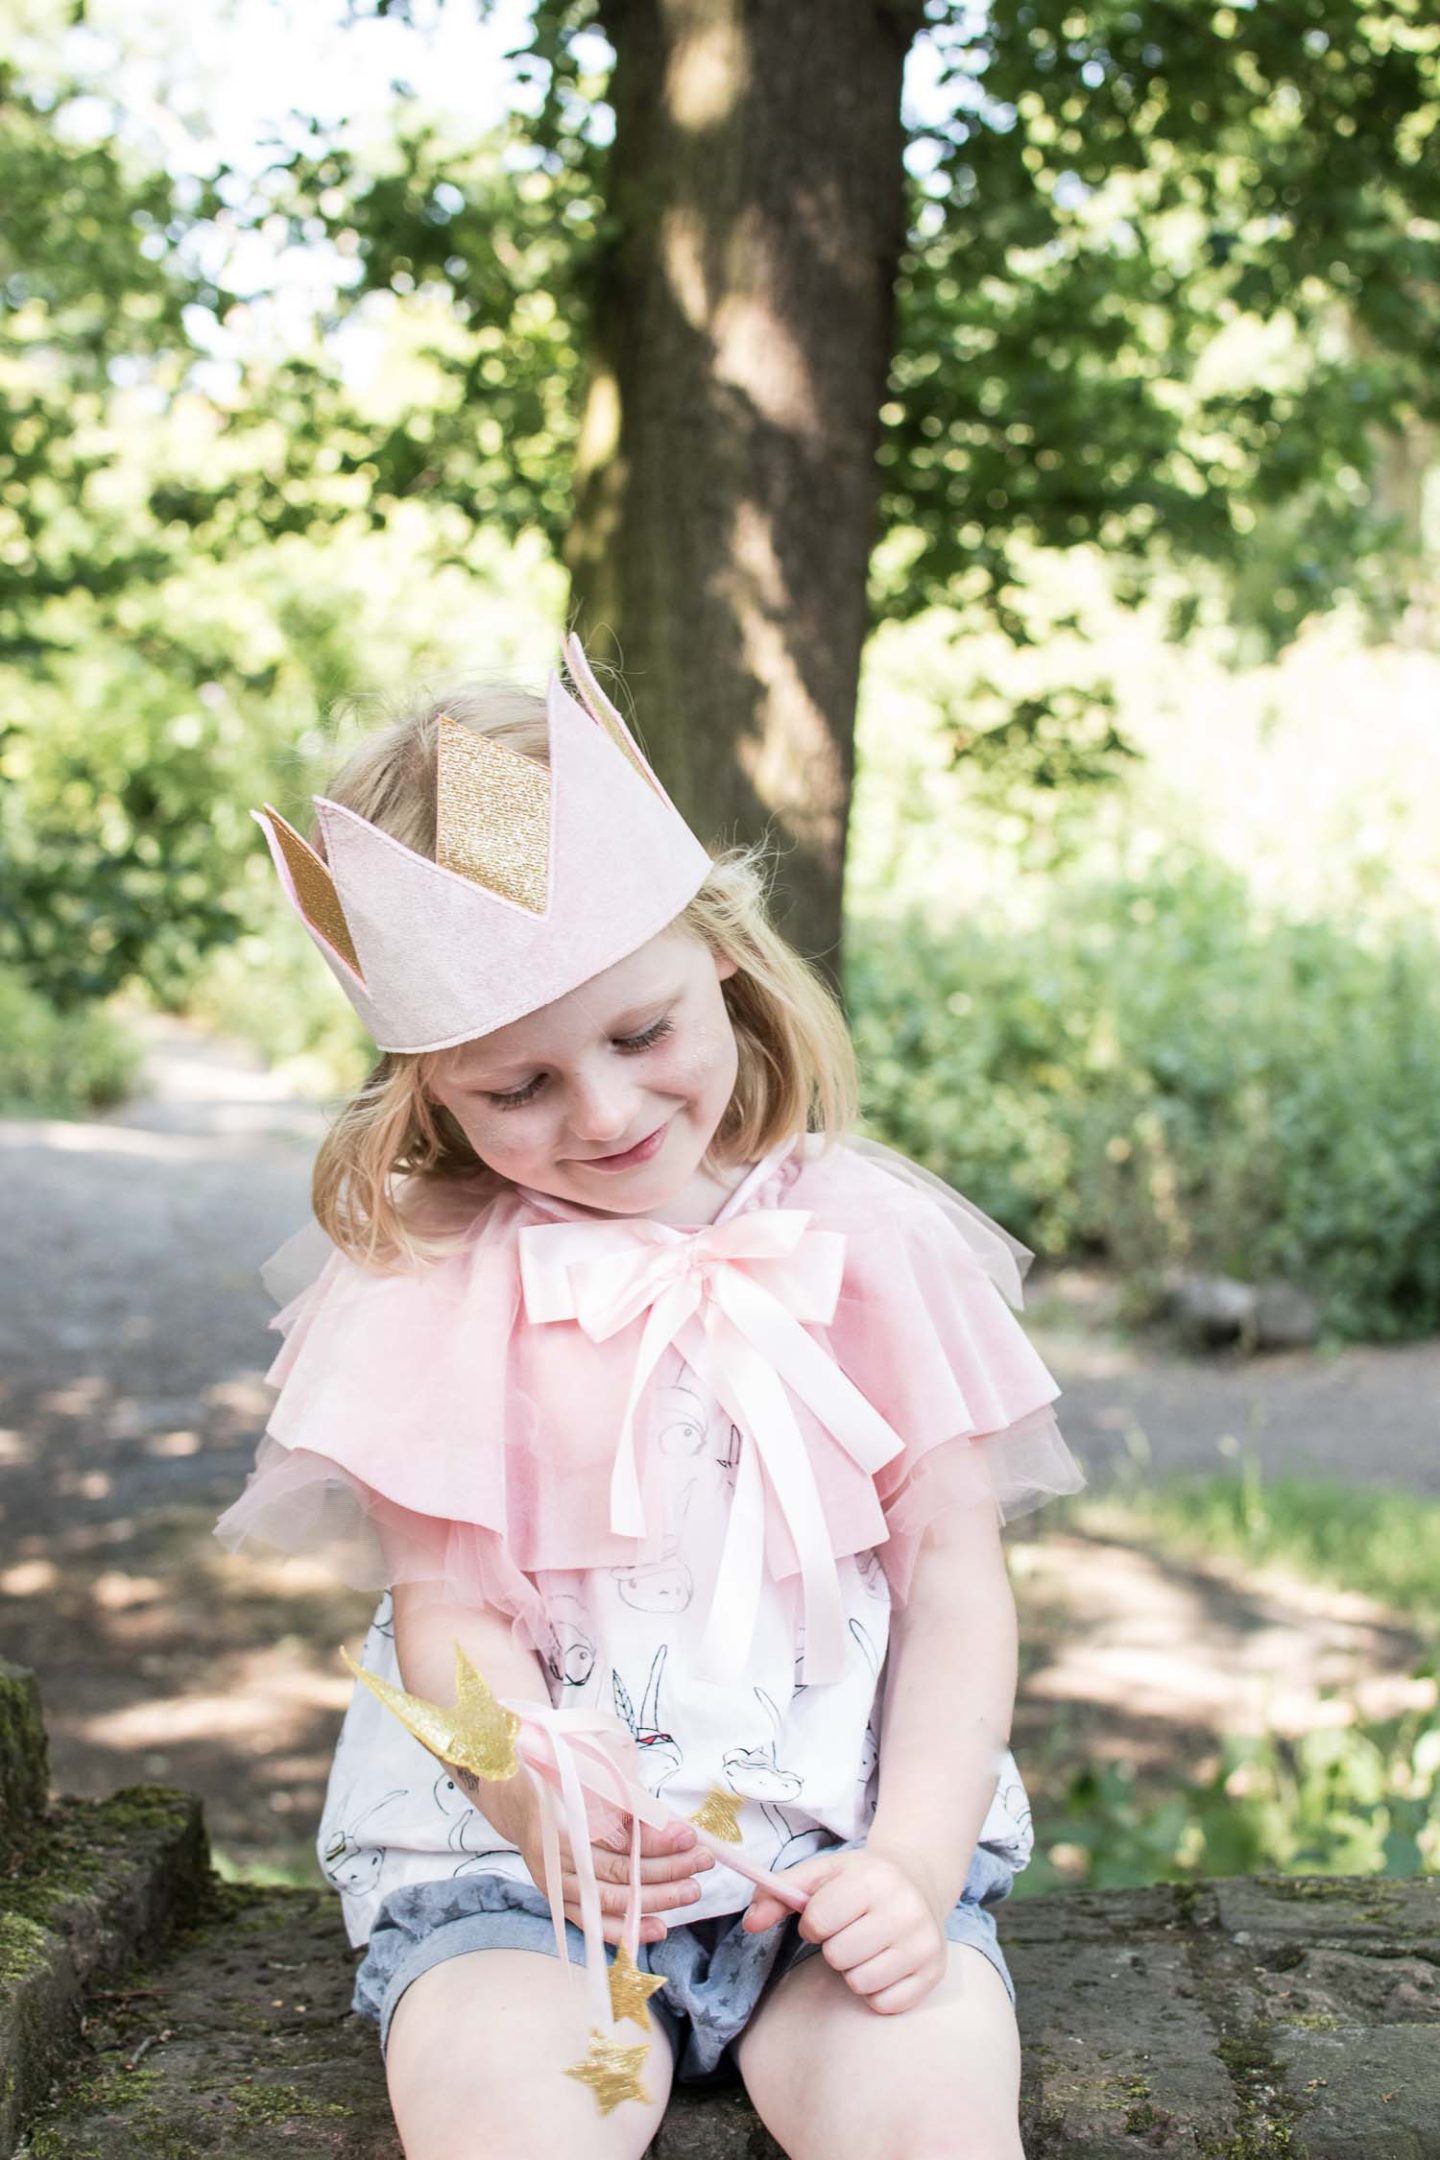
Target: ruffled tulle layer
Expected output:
[429,1428]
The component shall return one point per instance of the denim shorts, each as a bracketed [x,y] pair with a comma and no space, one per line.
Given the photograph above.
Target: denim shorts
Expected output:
[715,1973]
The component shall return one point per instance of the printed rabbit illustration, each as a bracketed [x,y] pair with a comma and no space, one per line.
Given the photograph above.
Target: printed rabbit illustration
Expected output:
[467,1830]
[351,1866]
[569,1647]
[656,1746]
[664,1585]
[681,1422]
[730,1461]
[756,1774]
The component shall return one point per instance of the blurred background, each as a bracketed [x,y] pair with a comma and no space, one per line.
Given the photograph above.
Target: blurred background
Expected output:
[998,443]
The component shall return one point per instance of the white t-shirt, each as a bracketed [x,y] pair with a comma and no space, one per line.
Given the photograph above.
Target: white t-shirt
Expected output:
[800,1759]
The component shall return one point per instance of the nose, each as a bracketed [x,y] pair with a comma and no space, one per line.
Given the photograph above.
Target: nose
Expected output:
[602,1111]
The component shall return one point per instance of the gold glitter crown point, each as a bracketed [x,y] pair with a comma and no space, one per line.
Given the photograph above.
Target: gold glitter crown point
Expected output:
[313,885]
[492,815]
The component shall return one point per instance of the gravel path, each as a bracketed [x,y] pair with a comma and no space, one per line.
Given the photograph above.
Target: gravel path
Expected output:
[132,1349]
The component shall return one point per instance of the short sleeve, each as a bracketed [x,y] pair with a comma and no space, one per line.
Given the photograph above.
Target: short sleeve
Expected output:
[925,1331]
[382,1457]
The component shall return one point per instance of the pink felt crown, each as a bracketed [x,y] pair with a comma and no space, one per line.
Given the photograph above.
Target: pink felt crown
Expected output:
[541,878]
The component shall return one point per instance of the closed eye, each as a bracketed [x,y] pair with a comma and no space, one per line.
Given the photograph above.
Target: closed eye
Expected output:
[514,1098]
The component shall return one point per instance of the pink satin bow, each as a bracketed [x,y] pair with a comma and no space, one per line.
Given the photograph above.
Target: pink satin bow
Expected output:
[733,1299]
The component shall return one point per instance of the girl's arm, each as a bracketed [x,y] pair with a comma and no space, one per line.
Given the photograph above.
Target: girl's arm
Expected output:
[949,1701]
[428,1625]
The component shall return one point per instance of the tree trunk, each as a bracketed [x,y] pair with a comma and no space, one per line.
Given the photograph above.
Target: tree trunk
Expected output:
[727,480]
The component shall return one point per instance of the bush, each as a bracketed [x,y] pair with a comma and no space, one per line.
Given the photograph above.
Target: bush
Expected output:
[1155,1074]
[62,1064]
[1360,1798]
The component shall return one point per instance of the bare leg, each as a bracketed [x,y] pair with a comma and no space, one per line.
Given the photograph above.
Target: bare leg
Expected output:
[476,2061]
[832,2079]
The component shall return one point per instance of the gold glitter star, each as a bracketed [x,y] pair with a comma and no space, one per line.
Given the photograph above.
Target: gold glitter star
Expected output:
[476,1733]
[720,1815]
[612,2071]
[631,1989]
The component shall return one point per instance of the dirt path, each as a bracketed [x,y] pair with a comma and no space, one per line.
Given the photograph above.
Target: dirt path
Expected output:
[132,1350]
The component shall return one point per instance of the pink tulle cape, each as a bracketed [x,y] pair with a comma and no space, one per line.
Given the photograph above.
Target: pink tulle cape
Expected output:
[427,1424]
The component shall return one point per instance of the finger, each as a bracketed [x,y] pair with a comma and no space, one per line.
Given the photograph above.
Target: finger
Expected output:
[614,1867]
[840,1899]
[864,1938]
[873,1975]
[654,1897]
[658,1838]
[904,1995]
[673,1867]
[652,1927]
[762,1912]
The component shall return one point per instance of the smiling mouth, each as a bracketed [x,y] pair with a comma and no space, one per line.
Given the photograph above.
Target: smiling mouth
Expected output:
[641,1152]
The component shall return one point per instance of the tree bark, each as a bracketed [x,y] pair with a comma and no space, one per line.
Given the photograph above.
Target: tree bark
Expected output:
[727,481]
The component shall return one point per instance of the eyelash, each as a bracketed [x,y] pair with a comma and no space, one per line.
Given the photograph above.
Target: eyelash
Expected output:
[518,1097]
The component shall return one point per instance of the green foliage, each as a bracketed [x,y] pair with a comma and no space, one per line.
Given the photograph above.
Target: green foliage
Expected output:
[59,1064]
[1353,1797]
[1358,1798]
[1168,280]
[89,287]
[1153,1073]
[123,830]
[1170,272]
[1381,1543]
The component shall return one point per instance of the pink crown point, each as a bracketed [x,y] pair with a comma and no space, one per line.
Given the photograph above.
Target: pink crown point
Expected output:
[606,715]
[547,878]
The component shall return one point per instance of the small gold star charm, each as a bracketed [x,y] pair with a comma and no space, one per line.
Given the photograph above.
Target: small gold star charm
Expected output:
[631,1989]
[612,2071]
[720,1815]
[476,1733]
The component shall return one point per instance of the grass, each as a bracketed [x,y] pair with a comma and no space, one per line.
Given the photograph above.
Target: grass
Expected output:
[1375,1540]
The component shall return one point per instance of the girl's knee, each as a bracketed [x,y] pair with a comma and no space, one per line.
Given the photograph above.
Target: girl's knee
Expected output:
[476,2067]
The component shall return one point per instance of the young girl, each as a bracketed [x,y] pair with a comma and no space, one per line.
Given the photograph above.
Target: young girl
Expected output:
[661,1399]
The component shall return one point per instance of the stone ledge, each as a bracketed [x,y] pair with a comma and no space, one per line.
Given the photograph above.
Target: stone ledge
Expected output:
[24,1754]
[92,1885]
[1267,2018]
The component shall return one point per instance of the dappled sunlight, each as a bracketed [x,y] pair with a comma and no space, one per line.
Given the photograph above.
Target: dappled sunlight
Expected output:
[682,253]
[268,1697]
[757,351]
[794,772]
[67,1138]
[1145,1637]
[708,72]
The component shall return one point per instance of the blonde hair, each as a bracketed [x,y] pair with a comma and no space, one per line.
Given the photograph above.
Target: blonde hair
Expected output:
[393,1150]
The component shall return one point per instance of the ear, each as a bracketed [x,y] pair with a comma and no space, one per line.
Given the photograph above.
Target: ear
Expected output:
[725,967]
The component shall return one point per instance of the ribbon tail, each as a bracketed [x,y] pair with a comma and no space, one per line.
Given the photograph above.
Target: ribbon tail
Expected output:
[597,1980]
[735,1601]
[663,1323]
[767,1417]
[550,1845]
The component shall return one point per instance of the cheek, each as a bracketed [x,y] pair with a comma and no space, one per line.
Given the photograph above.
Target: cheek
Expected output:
[703,1064]
[500,1138]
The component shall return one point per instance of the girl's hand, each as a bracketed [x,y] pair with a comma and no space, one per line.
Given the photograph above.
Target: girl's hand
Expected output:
[670,1860]
[875,1920]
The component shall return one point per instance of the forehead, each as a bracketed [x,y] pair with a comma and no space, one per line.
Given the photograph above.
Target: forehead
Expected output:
[602,1006]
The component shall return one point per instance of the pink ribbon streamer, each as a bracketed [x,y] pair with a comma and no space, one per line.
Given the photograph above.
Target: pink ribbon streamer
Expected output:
[566,1754]
[734,1299]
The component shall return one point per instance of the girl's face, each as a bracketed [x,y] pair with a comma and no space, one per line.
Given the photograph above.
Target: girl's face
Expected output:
[609,1097]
